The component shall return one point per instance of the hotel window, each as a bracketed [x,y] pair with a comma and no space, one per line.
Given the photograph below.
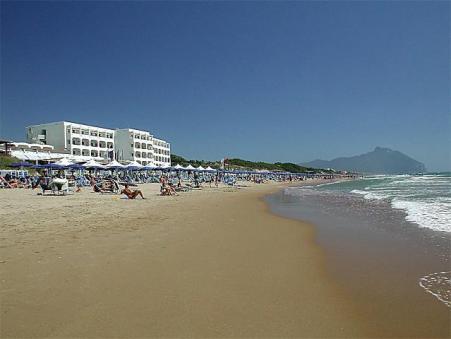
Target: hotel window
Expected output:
[137,145]
[94,133]
[110,145]
[143,155]
[85,152]
[75,130]
[102,144]
[94,154]
[94,143]
[138,154]
[102,134]
[85,142]
[85,132]
[76,151]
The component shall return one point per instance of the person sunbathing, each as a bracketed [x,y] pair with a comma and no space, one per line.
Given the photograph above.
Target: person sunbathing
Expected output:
[14,183]
[4,183]
[130,193]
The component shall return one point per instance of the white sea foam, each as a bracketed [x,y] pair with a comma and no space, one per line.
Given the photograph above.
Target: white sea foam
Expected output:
[371,195]
[439,285]
[426,200]
[435,215]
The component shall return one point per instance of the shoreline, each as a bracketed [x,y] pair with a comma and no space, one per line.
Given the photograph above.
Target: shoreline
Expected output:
[213,263]
[378,268]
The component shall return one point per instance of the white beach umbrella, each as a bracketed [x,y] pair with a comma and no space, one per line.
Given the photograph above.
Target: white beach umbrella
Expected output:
[189,167]
[200,168]
[64,162]
[134,164]
[149,167]
[19,155]
[210,169]
[114,164]
[178,167]
[93,164]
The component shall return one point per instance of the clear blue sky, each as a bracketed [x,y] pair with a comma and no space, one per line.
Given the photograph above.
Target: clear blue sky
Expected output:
[272,81]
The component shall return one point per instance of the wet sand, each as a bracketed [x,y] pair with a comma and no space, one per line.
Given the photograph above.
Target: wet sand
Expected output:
[210,263]
[377,258]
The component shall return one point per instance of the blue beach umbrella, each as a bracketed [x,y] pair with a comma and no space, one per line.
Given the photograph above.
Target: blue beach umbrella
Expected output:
[52,166]
[76,166]
[21,164]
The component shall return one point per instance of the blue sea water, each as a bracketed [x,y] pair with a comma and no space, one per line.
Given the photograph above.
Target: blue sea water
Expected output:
[425,199]
[402,224]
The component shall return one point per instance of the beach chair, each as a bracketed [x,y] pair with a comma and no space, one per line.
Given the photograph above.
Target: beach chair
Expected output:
[46,185]
[60,186]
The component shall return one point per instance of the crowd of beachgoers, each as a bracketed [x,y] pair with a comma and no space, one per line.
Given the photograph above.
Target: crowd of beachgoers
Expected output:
[172,182]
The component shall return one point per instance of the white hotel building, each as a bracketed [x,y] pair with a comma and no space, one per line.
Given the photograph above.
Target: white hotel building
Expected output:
[102,143]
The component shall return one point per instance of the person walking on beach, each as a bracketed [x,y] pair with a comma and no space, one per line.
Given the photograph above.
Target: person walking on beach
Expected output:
[130,193]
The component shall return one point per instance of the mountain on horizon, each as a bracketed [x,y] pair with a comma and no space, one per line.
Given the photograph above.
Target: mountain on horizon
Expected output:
[380,161]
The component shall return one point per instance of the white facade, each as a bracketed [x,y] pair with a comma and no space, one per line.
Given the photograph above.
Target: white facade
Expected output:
[75,139]
[102,143]
[134,145]
[162,152]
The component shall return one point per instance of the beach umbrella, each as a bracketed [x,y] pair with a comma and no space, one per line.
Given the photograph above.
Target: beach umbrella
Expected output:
[133,165]
[189,167]
[52,166]
[76,166]
[20,164]
[149,167]
[200,168]
[93,164]
[64,162]
[114,165]
[178,167]
[210,169]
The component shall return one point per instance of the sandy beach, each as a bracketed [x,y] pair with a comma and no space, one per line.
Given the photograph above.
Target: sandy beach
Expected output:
[209,263]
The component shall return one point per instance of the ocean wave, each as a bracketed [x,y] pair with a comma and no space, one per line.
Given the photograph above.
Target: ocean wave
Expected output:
[425,202]
[439,285]
[371,195]
[435,215]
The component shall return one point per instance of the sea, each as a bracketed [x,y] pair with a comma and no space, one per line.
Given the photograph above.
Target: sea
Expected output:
[381,227]
[425,199]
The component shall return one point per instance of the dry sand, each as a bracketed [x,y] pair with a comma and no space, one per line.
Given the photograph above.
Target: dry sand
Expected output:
[209,263]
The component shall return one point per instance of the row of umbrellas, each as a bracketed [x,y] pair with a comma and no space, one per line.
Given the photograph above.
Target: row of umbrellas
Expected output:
[113,165]
[65,163]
